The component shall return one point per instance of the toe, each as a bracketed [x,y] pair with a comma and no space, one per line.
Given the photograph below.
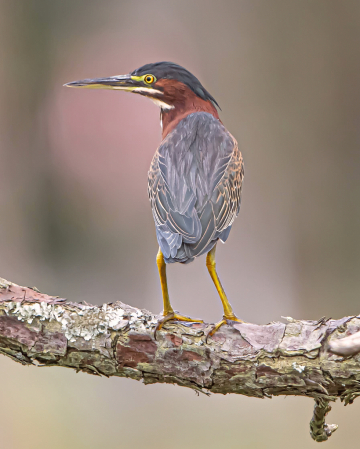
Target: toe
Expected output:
[186,318]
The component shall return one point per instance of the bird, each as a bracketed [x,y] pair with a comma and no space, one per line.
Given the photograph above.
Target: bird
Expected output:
[195,177]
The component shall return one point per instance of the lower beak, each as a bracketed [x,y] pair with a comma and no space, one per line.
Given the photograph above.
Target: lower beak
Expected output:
[120,82]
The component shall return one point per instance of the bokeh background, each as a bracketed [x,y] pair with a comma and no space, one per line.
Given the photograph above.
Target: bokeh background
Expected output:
[75,219]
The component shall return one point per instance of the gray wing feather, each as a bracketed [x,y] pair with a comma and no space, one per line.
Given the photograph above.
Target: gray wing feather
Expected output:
[194,187]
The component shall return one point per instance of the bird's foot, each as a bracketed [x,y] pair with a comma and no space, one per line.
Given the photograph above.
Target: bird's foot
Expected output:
[176,317]
[220,323]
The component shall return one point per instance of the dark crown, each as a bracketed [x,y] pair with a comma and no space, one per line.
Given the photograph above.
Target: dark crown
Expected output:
[170,70]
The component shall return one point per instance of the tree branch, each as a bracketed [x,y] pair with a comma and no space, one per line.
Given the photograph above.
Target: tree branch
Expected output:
[118,340]
[346,346]
[319,430]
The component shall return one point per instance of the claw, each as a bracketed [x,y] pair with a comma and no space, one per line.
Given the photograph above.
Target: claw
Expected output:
[220,323]
[174,316]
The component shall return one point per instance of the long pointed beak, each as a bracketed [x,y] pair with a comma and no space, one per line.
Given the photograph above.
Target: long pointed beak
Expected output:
[120,82]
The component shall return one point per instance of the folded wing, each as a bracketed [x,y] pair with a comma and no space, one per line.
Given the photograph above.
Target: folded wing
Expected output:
[194,186]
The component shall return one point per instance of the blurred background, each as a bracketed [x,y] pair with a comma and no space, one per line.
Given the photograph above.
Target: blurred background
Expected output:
[75,219]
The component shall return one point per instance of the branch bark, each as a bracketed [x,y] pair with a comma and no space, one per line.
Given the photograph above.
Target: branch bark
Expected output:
[116,339]
[347,346]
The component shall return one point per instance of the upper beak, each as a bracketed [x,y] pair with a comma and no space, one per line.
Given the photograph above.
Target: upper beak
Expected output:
[121,82]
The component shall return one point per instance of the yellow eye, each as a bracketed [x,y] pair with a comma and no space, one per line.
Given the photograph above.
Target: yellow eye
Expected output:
[149,79]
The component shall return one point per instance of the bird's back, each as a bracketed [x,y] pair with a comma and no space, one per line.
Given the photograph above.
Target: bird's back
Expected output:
[194,187]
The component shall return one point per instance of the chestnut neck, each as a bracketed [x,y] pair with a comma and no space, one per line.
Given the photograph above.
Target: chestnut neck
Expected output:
[186,103]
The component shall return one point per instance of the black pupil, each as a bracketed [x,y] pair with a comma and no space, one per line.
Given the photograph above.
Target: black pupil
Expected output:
[148,79]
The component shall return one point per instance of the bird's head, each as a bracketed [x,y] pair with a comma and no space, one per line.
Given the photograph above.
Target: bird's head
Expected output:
[167,84]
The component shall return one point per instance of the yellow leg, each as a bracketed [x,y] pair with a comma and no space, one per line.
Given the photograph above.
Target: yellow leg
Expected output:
[163,281]
[168,312]
[228,311]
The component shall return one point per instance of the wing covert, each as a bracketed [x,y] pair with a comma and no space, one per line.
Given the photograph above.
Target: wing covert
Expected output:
[194,187]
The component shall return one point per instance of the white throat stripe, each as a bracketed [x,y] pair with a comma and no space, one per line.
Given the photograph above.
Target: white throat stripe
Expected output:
[147,90]
[162,104]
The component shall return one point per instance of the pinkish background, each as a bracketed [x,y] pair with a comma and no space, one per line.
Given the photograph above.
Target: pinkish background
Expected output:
[76,222]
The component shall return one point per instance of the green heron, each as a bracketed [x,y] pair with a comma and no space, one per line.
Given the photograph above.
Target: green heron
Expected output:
[195,177]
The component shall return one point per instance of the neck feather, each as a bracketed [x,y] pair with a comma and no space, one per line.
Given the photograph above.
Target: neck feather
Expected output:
[183,105]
